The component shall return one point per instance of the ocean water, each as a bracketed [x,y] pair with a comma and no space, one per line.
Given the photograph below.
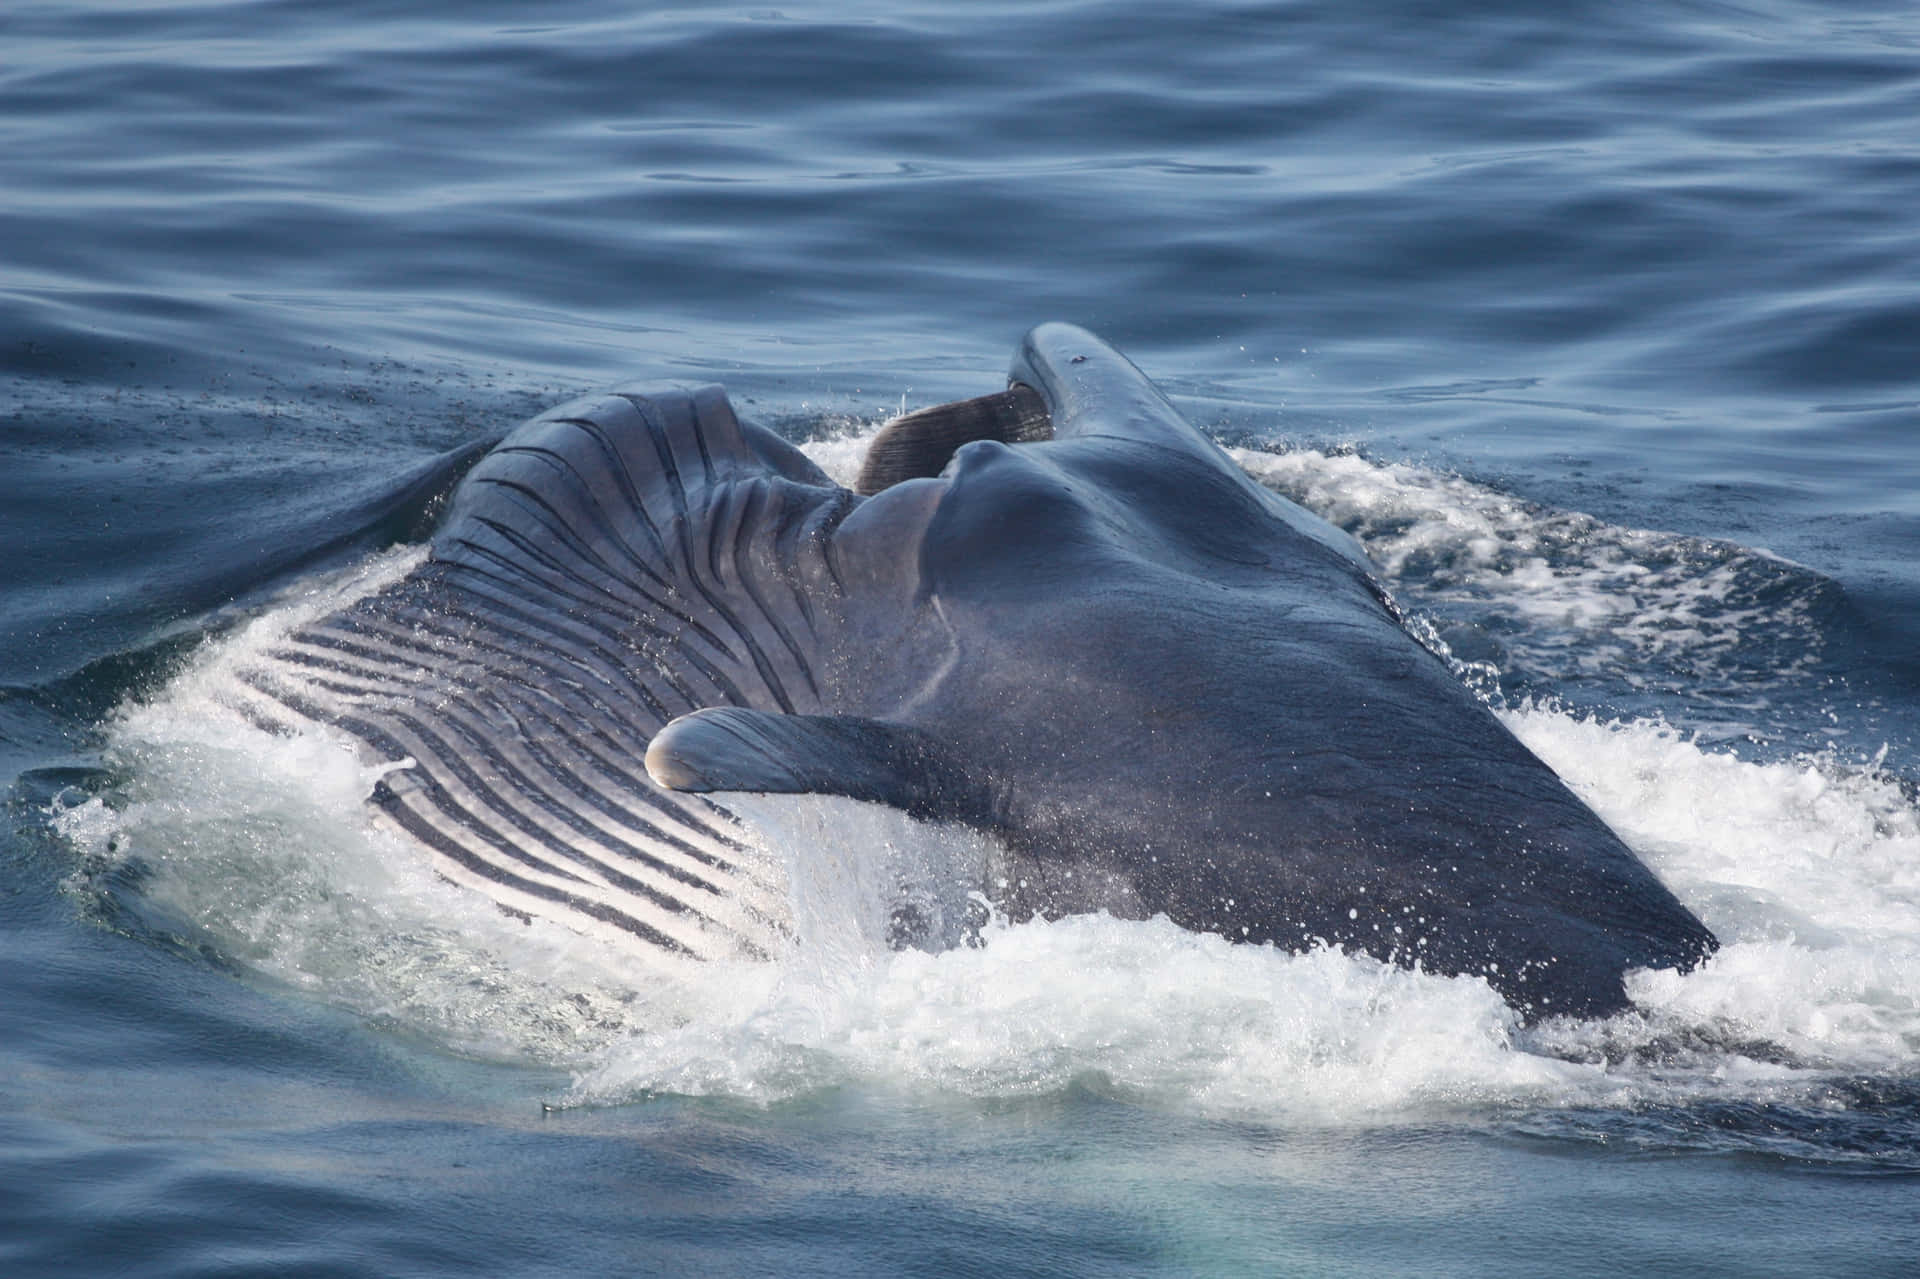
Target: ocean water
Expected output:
[1598,325]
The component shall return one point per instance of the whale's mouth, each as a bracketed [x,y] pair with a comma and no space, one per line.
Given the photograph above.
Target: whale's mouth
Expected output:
[918,445]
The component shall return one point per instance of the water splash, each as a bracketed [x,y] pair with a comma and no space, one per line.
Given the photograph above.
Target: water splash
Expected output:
[258,847]
[1558,600]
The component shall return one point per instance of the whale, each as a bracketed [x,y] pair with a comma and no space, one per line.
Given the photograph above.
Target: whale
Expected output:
[1057,614]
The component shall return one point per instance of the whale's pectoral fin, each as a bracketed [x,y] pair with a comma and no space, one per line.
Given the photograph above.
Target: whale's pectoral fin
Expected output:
[731,748]
[919,445]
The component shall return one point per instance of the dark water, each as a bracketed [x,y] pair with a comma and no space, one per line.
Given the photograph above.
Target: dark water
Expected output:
[1600,325]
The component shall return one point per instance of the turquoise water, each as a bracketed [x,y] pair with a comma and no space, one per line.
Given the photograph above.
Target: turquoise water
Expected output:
[1599,326]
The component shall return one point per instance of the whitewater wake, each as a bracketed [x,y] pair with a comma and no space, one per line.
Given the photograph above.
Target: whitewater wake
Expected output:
[259,846]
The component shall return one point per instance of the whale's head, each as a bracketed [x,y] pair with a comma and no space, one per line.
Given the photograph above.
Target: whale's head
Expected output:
[1059,614]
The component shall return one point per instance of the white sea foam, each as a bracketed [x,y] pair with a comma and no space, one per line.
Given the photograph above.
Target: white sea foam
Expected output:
[1810,872]
[1565,595]
[841,454]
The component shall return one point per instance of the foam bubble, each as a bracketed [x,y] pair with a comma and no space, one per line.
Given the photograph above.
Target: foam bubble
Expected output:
[1807,870]
[1556,599]
[1144,1009]
[841,454]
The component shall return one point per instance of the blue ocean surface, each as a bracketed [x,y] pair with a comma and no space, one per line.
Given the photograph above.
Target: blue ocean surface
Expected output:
[1597,324]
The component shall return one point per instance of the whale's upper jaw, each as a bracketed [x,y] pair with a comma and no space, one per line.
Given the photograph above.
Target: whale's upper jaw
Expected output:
[1093,392]
[1087,385]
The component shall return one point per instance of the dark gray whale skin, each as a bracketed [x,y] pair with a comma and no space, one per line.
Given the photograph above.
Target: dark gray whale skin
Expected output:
[1161,687]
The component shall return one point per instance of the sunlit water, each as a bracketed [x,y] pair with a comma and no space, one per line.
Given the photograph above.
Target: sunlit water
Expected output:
[1596,325]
